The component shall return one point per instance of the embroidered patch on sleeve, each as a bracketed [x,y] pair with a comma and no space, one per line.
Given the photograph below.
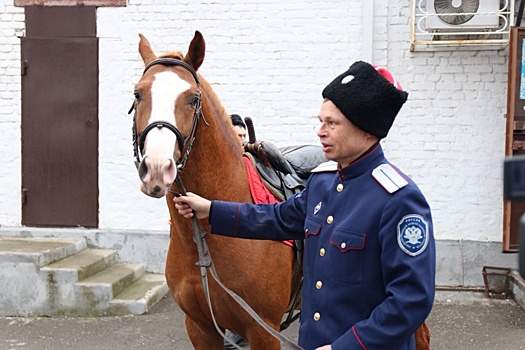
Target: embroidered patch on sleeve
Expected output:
[412,234]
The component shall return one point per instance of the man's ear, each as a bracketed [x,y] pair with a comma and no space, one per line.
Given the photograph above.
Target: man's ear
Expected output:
[371,137]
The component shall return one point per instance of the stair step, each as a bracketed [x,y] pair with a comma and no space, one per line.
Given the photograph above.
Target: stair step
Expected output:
[138,298]
[40,251]
[62,276]
[85,263]
[115,278]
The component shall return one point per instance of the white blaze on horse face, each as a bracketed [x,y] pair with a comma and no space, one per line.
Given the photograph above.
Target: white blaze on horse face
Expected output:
[165,89]
[160,142]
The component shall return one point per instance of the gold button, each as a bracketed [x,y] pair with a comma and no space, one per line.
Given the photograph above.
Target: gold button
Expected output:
[340,187]
[317,316]
[330,219]
[319,285]
[322,251]
[343,245]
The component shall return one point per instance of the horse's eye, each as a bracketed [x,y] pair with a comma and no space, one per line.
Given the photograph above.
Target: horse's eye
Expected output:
[137,94]
[193,100]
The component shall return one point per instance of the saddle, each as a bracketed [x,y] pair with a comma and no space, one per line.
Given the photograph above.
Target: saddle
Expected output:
[284,171]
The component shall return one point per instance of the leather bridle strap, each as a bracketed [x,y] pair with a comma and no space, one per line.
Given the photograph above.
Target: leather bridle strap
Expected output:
[205,262]
[138,141]
[173,62]
[160,125]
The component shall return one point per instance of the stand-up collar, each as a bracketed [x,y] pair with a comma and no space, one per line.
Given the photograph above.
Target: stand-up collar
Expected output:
[369,160]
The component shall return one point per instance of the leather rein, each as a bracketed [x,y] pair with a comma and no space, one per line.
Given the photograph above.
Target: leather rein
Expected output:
[205,261]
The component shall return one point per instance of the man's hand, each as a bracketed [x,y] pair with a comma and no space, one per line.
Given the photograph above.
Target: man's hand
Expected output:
[326,347]
[187,204]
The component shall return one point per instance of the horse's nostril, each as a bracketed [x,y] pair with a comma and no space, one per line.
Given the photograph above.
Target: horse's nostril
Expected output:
[143,170]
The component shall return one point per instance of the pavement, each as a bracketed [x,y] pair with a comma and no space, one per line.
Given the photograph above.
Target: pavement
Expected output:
[459,320]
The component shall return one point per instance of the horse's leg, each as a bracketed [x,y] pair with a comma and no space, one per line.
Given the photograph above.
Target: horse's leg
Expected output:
[260,339]
[423,337]
[201,339]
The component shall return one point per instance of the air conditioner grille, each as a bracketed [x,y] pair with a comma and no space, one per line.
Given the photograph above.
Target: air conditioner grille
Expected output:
[456,9]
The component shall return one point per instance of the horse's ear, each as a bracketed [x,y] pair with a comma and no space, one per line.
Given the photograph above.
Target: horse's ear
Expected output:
[145,50]
[195,54]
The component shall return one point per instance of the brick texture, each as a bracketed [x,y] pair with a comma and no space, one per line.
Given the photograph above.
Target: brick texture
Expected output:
[269,60]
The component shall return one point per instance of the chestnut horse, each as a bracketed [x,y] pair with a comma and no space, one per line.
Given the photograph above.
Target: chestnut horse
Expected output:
[260,272]
[180,121]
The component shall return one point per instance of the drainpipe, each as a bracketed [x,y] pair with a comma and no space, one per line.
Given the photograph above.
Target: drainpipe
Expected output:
[368,31]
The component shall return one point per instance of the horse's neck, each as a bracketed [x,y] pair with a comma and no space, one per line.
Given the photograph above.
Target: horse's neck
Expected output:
[214,168]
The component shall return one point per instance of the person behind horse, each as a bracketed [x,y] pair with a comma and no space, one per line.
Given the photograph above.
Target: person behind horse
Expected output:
[232,338]
[369,252]
[239,126]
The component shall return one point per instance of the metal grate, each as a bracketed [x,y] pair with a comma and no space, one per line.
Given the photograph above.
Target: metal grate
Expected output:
[497,281]
[490,31]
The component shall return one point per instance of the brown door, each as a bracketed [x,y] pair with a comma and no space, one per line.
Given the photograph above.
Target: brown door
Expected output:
[59,119]
[515,134]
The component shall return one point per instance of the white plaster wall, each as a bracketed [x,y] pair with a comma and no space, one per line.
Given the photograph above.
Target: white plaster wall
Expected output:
[269,60]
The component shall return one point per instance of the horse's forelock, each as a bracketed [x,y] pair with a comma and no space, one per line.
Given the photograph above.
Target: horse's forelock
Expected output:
[173,54]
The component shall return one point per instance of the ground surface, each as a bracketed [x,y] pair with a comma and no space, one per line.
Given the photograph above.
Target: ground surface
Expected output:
[467,321]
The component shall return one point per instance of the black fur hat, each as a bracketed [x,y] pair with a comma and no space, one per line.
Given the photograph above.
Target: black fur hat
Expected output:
[237,120]
[370,97]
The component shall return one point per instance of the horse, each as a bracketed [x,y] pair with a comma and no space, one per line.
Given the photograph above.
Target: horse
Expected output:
[259,271]
[182,129]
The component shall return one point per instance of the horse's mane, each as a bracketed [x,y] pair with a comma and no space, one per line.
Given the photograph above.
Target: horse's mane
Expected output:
[172,54]
[217,106]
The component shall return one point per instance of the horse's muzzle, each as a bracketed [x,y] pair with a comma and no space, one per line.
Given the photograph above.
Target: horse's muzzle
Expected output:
[156,176]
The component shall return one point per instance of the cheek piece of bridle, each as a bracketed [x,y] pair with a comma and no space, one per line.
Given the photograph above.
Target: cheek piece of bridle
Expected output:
[205,260]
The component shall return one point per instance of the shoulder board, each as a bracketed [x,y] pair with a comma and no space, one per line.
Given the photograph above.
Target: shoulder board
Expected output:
[326,166]
[389,178]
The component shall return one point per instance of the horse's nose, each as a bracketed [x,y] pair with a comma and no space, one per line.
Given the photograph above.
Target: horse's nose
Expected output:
[157,174]
[143,170]
[170,173]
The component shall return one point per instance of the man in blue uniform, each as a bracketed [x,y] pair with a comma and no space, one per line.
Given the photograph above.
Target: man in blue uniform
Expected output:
[369,260]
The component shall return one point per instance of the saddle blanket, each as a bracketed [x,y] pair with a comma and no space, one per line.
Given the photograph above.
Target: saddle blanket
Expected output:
[260,194]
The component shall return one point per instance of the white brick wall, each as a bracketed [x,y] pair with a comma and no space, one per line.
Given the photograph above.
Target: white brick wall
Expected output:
[269,60]
[11,24]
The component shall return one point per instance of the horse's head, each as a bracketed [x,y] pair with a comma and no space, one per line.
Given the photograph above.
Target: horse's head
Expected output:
[167,107]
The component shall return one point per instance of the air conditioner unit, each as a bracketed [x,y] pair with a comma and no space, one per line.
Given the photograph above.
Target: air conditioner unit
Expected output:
[459,15]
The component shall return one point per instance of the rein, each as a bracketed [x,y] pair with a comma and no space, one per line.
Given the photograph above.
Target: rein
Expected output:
[205,262]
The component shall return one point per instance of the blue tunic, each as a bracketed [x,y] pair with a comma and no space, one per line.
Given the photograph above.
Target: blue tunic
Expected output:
[369,260]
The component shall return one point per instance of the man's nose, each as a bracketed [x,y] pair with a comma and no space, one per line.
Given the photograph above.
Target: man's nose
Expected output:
[320,131]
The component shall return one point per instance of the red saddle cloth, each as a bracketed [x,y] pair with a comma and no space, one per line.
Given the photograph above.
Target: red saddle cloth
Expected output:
[260,194]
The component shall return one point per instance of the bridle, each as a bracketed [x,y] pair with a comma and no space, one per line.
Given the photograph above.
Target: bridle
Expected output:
[205,262]
[182,142]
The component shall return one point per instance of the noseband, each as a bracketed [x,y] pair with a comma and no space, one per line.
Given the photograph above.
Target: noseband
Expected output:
[139,139]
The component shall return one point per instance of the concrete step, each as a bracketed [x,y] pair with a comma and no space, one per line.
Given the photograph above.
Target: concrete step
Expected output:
[83,264]
[140,297]
[40,251]
[50,277]
[112,280]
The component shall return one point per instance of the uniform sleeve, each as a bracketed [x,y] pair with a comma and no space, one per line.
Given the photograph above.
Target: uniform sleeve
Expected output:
[408,268]
[277,221]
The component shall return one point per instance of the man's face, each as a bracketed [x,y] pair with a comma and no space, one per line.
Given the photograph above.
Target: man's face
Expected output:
[342,141]
[241,132]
